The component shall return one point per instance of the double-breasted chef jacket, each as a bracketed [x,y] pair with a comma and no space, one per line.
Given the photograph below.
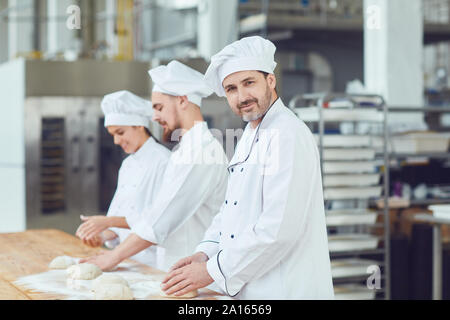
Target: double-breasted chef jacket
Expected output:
[269,240]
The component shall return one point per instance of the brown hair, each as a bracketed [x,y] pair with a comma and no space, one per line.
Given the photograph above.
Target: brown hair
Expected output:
[266,74]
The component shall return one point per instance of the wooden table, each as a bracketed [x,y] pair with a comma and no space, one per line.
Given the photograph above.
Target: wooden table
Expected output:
[30,252]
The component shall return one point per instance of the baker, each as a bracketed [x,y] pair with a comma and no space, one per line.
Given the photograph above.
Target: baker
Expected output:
[195,178]
[127,119]
[269,240]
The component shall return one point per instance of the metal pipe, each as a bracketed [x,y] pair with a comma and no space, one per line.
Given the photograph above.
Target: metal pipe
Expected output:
[387,244]
[190,37]
[36,25]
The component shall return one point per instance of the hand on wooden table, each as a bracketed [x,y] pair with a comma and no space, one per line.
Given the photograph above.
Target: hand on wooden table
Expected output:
[185,279]
[105,260]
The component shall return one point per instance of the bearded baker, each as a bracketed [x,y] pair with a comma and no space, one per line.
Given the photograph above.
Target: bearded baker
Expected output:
[269,241]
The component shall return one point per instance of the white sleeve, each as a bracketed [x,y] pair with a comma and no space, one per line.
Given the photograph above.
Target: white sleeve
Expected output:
[184,190]
[146,194]
[286,197]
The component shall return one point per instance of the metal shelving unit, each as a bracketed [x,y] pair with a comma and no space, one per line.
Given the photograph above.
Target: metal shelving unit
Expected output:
[394,156]
[374,115]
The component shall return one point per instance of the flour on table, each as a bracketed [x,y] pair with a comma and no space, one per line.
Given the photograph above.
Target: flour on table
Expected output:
[57,282]
[113,291]
[106,279]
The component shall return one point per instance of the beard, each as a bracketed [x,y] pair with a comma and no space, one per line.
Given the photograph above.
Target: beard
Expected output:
[260,108]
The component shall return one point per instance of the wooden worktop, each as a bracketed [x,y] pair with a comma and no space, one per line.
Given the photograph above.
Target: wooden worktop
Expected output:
[30,252]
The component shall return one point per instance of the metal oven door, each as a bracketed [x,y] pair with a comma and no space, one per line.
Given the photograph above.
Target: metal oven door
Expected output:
[62,160]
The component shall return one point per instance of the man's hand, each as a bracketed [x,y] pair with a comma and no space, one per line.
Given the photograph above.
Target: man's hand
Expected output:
[198,257]
[105,261]
[92,227]
[186,279]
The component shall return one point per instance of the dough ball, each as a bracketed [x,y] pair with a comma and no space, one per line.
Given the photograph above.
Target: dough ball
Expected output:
[113,291]
[84,271]
[188,295]
[105,279]
[62,262]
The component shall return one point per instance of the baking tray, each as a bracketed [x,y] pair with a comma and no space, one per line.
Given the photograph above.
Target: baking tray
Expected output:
[440,210]
[341,141]
[348,154]
[352,193]
[341,180]
[311,114]
[350,217]
[353,267]
[353,292]
[330,167]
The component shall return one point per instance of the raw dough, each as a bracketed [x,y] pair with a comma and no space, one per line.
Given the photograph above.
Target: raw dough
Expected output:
[113,291]
[188,295]
[84,271]
[62,262]
[105,279]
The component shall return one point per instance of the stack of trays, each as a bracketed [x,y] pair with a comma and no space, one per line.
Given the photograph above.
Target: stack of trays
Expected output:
[352,242]
[350,173]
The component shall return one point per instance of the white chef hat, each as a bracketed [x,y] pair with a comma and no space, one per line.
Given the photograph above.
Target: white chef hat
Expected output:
[176,79]
[251,53]
[124,108]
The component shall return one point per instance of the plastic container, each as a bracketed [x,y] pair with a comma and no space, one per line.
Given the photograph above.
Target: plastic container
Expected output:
[416,143]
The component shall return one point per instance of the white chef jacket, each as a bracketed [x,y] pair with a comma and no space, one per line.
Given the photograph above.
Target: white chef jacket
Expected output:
[139,181]
[193,190]
[269,240]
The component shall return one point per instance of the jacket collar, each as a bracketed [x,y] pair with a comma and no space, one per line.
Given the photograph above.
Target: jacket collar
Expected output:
[145,150]
[265,123]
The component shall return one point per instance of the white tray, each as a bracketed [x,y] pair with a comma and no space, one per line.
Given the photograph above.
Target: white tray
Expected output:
[417,143]
[351,267]
[339,141]
[341,180]
[349,167]
[352,242]
[348,154]
[350,217]
[311,114]
[440,210]
[352,193]
[353,292]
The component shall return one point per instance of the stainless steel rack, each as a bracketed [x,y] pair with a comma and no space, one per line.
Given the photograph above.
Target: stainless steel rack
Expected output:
[320,102]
